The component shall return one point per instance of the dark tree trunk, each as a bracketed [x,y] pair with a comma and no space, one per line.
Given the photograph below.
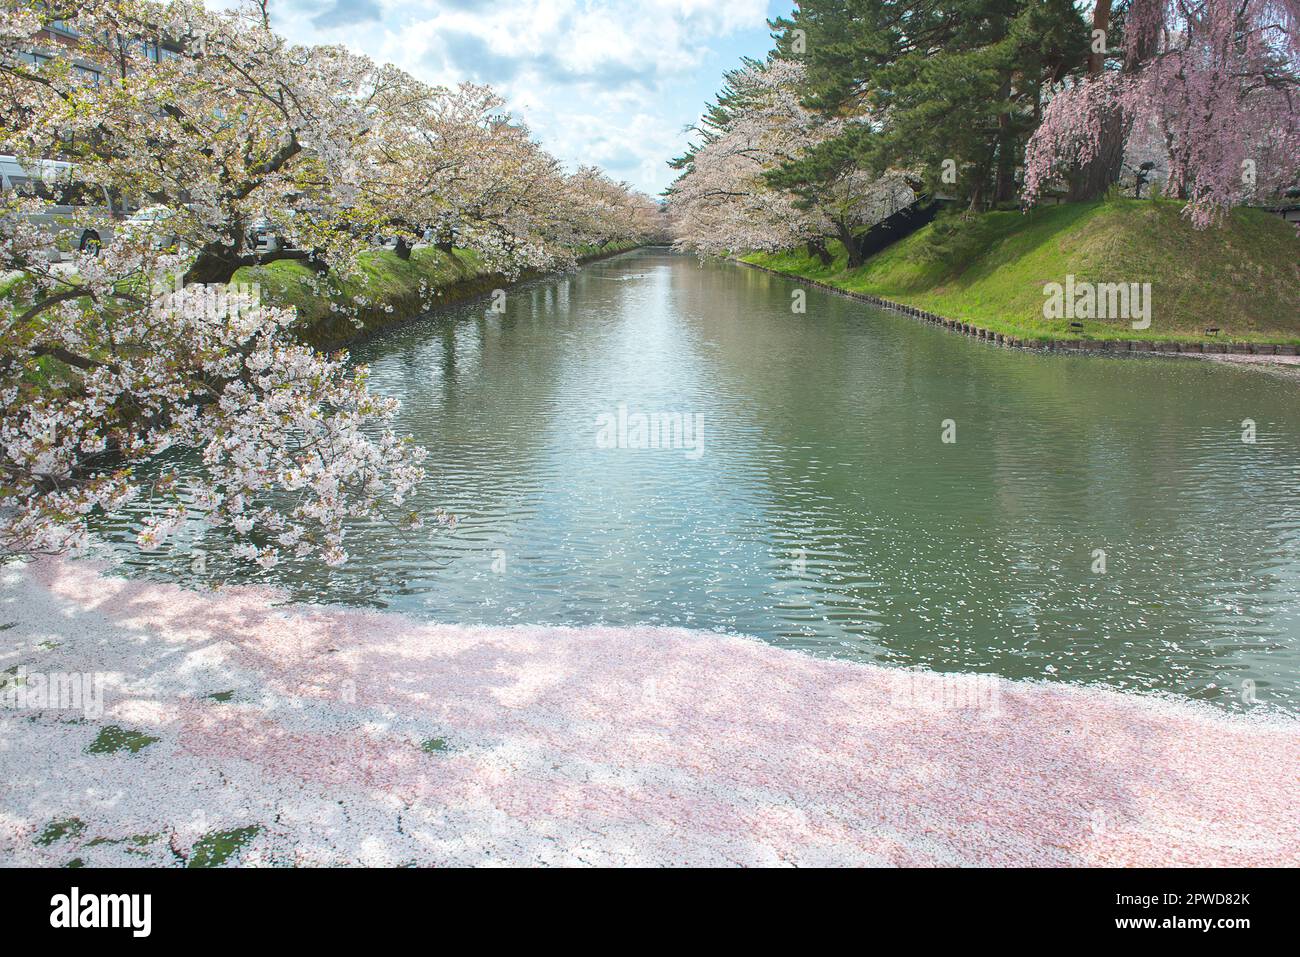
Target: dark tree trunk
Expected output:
[981,178]
[446,247]
[1100,21]
[852,246]
[818,248]
[1004,189]
[402,248]
[1004,177]
[215,265]
[1092,179]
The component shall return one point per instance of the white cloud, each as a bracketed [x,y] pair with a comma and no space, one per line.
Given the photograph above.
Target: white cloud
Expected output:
[609,82]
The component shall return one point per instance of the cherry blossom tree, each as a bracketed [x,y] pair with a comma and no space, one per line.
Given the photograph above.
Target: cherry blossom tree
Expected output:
[234,126]
[722,202]
[1218,82]
[455,164]
[135,373]
[189,404]
[730,196]
[596,211]
[119,381]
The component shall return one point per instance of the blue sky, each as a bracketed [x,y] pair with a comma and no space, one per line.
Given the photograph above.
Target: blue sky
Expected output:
[606,82]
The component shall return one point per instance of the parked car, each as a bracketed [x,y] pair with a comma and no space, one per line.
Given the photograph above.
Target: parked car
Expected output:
[264,236]
[56,181]
[151,221]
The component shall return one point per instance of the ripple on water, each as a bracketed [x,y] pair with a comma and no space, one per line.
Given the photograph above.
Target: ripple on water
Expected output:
[825,512]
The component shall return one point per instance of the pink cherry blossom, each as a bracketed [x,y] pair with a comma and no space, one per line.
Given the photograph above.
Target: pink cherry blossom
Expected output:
[350,737]
[1213,89]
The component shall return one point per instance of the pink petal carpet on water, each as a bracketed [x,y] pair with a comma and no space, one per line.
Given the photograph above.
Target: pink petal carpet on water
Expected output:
[341,736]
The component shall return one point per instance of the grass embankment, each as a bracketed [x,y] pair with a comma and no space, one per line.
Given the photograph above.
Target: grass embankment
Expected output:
[990,270]
[392,290]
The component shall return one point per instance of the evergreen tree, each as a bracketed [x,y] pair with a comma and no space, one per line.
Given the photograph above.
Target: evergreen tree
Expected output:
[948,91]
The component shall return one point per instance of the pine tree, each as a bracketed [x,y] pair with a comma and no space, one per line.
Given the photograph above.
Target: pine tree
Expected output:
[950,92]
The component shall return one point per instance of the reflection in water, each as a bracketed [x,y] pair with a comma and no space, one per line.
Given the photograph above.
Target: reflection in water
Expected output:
[825,512]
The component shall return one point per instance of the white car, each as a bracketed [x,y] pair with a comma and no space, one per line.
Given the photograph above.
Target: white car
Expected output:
[151,222]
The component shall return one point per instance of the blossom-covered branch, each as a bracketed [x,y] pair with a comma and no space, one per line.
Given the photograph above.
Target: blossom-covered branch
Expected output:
[132,372]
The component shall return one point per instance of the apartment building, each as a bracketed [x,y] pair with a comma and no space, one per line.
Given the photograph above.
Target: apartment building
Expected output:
[59,39]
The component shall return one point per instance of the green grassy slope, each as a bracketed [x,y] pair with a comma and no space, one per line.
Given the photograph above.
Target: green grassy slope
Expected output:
[394,290]
[385,282]
[990,270]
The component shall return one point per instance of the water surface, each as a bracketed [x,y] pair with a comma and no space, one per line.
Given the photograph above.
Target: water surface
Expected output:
[824,511]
